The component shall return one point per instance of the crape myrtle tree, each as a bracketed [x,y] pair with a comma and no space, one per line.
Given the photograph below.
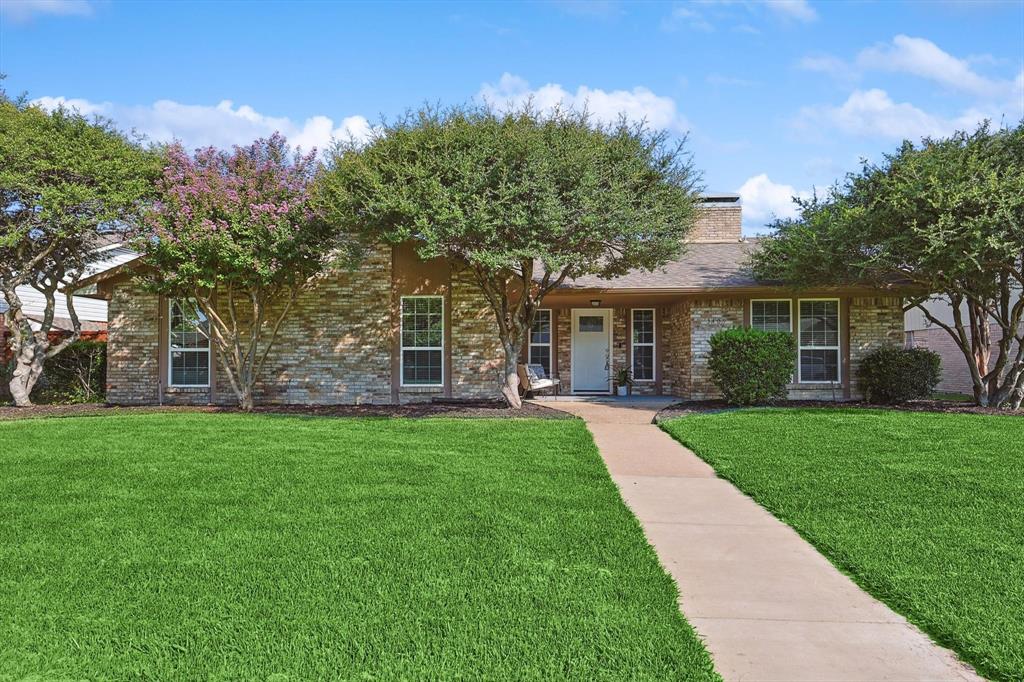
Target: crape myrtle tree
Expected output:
[520,199]
[66,183]
[947,216]
[232,235]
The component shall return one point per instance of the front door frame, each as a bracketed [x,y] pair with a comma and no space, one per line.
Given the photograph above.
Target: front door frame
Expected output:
[609,317]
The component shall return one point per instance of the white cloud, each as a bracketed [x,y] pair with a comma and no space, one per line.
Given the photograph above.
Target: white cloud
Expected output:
[923,58]
[829,65]
[26,10]
[872,113]
[222,125]
[638,104]
[800,10]
[764,200]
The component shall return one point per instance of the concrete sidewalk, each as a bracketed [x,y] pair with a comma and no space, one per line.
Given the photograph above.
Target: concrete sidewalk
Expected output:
[767,604]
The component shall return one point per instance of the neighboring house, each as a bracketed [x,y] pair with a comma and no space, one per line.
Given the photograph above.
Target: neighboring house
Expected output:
[920,333]
[399,329]
[92,311]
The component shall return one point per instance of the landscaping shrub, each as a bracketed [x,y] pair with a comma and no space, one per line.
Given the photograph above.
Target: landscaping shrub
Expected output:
[76,375]
[890,374]
[750,366]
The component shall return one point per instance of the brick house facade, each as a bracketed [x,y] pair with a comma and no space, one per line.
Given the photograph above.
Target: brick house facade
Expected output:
[398,329]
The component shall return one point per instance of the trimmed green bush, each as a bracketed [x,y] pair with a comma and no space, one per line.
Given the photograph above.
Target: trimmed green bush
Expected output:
[889,374]
[76,375]
[750,366]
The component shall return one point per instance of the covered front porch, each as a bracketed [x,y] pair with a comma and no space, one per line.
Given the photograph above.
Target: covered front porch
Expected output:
[589,340]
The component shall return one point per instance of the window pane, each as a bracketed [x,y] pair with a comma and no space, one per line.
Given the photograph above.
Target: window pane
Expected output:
[591,323]
[770,316]
[643,363]
[541,330]
[643,326]
[190,368]
[422,322]
[819,323]
[189,326]
[421,367]
[541,355]
[819,365]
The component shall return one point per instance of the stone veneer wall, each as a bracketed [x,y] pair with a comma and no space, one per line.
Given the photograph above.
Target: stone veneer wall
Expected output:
[706,318]
[874,321]
[564,350]
[133,344]
[477,358]
[335,345]
[676,349]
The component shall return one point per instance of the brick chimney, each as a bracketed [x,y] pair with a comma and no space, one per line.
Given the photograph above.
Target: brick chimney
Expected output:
[718,220]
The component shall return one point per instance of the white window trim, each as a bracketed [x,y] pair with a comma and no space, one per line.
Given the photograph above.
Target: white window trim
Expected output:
[170,361]
[772,300]
[402,347]
[652,344]
[838,348]
[551,335]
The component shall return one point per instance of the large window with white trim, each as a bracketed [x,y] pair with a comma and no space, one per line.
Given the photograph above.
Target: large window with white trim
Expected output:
[771,315]
[819,341]
[188,345]
[422,340]
[643,344]
[540,341]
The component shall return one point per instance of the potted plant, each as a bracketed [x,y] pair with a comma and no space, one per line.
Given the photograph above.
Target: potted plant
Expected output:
[623,381]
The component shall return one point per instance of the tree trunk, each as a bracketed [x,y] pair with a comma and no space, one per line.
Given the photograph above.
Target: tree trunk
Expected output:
[28,368]
[510,384]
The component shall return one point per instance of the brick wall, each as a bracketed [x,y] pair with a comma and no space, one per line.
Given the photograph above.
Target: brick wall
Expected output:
[708,317]
[133,343]
[477,357]
[718,224]
[335,346]
[564,350]
[676,349]
[874,321]
[956,377]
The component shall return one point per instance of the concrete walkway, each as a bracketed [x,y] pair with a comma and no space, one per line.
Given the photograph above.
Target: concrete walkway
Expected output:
[767,604]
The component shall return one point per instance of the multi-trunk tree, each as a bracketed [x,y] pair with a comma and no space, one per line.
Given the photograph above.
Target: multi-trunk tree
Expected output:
[520,199]
[66,184]
[232,234]
[946,216]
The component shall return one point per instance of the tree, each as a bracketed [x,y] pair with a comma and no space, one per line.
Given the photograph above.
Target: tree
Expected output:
[65,181]
[520,200]
[234,233]
[945,216]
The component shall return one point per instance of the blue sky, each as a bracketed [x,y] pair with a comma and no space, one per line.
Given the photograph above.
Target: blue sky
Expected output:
[777,97]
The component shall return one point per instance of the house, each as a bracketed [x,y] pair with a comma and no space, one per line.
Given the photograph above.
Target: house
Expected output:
[91,310]
[399,329]
[922,333]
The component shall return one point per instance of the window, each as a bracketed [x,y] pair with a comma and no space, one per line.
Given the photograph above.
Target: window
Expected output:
[540,341]
[643,344]
[771,315]
[591,323]
[422,340]
[819,341]
[188,345]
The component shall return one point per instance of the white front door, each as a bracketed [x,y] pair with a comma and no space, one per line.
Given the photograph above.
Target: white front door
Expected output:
[591,350]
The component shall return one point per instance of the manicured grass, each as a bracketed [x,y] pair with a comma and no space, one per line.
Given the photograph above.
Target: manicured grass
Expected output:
[201,546]
[925,511]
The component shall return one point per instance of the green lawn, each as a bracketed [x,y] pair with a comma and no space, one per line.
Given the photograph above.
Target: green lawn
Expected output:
[925,511]
[202,546]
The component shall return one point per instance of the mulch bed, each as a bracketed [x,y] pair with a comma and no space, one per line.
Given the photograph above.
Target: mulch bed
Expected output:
[686,408]
[476,409]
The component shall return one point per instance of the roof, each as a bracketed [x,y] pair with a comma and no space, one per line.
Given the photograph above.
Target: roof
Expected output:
[718,265]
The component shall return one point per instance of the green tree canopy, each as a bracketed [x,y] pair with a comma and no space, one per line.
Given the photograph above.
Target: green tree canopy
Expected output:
[65,180]
[947,217]
[520,199]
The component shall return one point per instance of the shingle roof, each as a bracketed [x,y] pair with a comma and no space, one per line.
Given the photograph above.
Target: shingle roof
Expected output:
[703,266]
